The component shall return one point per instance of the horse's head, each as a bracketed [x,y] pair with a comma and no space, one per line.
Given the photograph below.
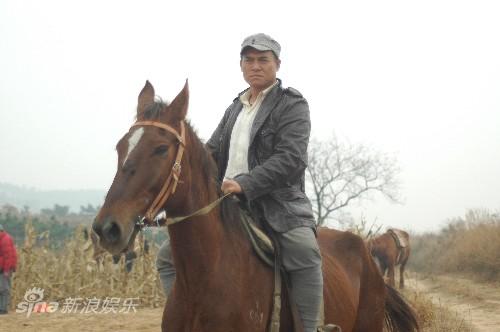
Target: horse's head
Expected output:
[148,158]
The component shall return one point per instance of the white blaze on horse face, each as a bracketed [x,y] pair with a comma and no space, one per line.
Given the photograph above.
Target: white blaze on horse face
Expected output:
[133,140]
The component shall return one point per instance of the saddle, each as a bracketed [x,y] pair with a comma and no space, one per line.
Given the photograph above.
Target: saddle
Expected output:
[264,247]
[401,240]
[400,237]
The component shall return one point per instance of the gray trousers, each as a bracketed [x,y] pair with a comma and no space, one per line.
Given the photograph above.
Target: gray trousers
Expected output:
[5,286]
[301,259]
[165,266]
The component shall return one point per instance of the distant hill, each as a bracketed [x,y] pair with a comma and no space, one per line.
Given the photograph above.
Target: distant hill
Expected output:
[40,199]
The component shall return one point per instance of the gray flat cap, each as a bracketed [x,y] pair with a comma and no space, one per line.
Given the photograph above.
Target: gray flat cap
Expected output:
[261,42]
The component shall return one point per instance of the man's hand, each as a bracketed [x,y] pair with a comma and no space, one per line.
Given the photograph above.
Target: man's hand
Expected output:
[231,186]
[6,273]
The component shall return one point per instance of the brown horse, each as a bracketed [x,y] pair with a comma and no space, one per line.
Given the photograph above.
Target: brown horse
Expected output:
[220,284]
[389,250]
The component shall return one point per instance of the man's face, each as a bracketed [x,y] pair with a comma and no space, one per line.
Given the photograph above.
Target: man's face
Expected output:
[259,68]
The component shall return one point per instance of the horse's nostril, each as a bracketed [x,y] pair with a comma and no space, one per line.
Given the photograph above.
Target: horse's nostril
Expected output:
[111,232]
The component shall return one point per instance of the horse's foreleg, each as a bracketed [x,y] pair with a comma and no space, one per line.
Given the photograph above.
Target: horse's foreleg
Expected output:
[391,275]
[402,275]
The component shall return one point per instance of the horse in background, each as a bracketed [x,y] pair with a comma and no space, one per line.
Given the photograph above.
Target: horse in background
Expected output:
[389,250]
[221,285]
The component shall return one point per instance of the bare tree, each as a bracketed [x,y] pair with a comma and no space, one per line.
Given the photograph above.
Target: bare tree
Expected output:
[340,173]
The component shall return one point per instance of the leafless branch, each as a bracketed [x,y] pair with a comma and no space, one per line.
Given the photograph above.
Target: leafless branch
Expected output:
[340,173]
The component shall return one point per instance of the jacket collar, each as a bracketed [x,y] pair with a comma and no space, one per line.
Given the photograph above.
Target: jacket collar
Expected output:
[265,109]
[245,96]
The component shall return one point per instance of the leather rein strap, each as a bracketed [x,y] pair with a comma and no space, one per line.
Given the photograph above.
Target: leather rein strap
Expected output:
[173,178]
[171,182]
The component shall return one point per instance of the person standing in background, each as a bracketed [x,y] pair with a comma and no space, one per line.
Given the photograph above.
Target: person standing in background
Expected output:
[8,262]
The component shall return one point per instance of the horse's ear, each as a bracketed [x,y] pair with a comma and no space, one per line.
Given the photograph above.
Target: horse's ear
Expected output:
[179,106]
[146,98]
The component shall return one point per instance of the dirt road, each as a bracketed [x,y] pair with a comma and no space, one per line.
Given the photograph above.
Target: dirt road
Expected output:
[478,303]
[143,320]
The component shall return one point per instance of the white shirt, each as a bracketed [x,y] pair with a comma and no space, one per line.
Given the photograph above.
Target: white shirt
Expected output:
[240,136]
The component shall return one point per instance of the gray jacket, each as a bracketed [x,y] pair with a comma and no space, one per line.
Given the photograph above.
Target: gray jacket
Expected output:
[277,158]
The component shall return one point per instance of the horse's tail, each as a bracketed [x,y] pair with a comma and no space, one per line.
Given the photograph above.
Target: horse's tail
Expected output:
[399,316]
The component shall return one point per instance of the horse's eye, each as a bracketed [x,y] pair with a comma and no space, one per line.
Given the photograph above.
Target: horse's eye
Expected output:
[161,150]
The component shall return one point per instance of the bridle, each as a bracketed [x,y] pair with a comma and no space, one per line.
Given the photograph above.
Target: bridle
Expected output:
[150,218]
[173,178]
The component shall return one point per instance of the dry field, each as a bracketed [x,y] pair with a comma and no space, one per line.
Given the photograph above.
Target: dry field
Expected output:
[89,296]
[72,274]
[436,314]
[467,246]
[144,320]
[476,304]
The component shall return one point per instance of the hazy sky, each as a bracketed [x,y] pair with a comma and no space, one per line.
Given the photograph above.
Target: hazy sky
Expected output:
[420,80]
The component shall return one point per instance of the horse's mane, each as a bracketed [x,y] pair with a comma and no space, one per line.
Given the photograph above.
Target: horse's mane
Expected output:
[230,210]
[153,111]
[375,242]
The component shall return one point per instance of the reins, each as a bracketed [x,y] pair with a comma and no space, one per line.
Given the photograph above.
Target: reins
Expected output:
[170,184]
[170,221]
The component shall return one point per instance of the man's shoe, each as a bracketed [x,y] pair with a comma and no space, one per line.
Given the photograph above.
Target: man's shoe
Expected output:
[329,328]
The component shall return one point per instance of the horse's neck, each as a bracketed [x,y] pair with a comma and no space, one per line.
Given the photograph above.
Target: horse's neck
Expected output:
[197,245]
[375,244]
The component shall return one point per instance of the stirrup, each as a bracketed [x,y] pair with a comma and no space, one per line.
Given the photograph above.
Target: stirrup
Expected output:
[329,328]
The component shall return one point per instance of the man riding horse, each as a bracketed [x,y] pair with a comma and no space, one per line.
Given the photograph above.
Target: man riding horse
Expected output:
[260,147]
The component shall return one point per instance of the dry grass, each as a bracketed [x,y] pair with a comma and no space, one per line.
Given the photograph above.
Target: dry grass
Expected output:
[435,318]
[467,245]
[73,273]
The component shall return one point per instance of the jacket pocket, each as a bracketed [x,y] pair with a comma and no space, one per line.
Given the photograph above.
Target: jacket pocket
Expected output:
[295,202]
[266,140]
